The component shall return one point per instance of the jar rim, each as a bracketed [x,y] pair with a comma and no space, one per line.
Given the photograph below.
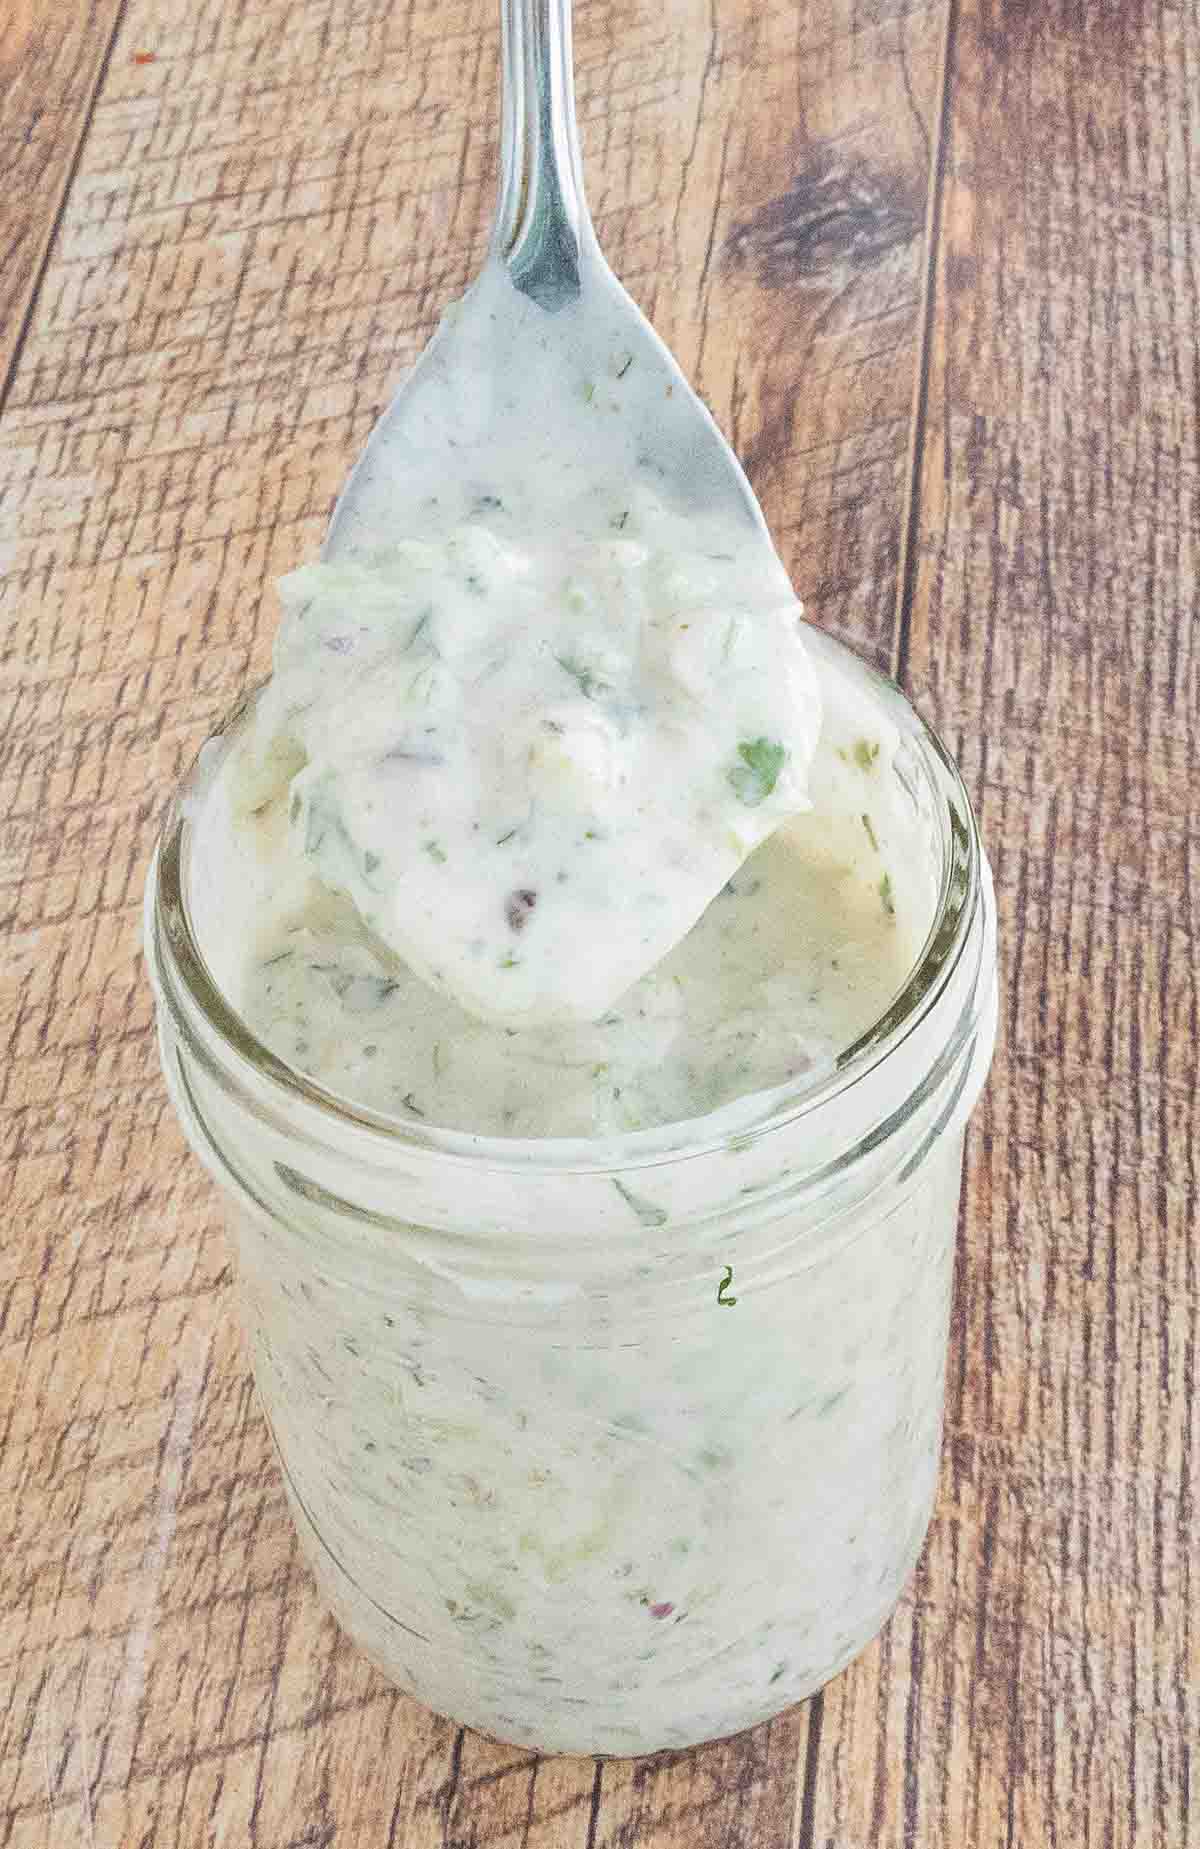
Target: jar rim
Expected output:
[178,964]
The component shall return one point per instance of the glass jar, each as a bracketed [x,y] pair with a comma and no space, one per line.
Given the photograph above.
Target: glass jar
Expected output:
[602,1447]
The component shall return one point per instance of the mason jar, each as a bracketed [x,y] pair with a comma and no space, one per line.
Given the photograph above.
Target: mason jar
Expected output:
[602,1446]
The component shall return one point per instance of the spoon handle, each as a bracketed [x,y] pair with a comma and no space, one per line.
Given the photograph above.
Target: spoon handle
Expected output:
[542,227]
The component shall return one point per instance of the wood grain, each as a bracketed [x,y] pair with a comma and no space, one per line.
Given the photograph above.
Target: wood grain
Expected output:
[990,483]
[263,227]
[1042,1684]
[52,63]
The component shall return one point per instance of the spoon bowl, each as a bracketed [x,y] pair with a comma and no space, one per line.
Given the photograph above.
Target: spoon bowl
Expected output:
[545,341]
[546,687]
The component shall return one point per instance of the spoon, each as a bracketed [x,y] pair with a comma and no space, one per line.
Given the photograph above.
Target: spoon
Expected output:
[546,331]
[551,690]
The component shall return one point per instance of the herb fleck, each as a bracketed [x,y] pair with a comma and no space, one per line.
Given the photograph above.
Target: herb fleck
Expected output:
[370,861]
[590,685]
[618,520]
[435,851]
[885,893]
[508,961]
[871,835]
[280,957]
[646,1211]
[753,780]
[502,840]
[725,1301]
[518,906]
[624,368]
[589,391]
[422,625]
[410,1104]
[865,753]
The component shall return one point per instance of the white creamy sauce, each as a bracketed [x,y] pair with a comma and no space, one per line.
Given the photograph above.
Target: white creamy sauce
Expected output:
[555,822]
[531,766]
[583,1534]
[536,726]
[802,950]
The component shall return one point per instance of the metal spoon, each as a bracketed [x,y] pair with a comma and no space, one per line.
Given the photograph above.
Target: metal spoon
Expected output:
[544,318]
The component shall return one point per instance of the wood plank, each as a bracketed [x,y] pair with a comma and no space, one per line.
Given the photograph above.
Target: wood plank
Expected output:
[263,226]
[52,61]
[1043,1684]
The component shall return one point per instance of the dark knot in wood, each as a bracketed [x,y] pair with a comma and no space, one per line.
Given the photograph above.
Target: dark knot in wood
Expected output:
[839,214]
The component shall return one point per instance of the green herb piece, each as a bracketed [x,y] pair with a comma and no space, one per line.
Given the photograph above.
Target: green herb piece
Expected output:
[488,504]
[340,980]
[778,1671]
[756,776]
[726,1303]
[422,625]
[865,753]
[410,1104]
[502,840]
[885,893]
[871,835]
[589,391]
[280,957]
[321,822]
[508,961]
[435,851]
[295,806]
[370,861]
[492,1599]
[646,1211]
[590,685]
[624,368]
[618,520]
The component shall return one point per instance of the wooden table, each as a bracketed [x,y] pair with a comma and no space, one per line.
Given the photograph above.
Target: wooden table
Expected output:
[936,267]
